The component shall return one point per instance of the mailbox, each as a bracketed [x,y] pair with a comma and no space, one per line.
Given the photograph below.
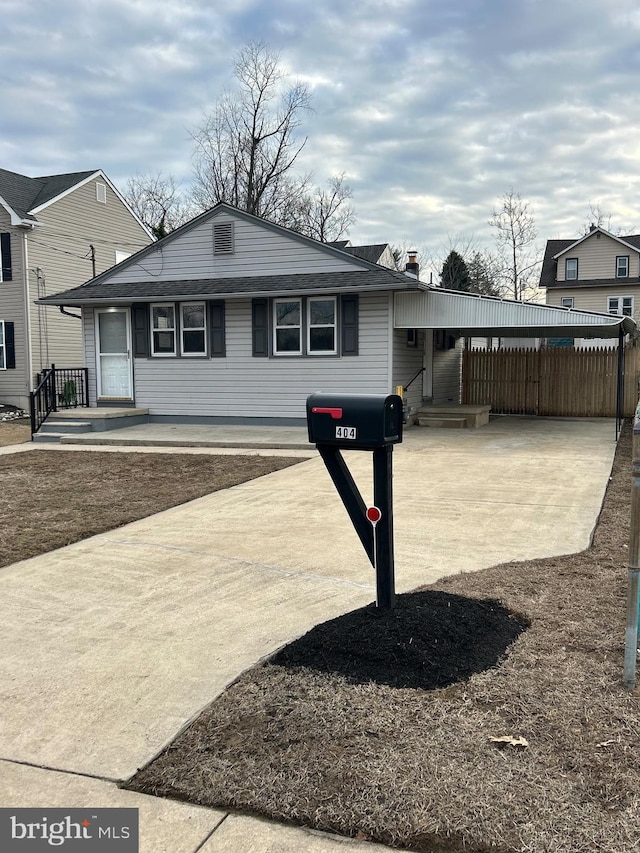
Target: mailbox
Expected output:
[355,421]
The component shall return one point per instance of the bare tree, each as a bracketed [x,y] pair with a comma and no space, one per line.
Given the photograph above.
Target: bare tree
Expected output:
[515,238]
[598,218]
[157,201]
[325,214]
[245,148]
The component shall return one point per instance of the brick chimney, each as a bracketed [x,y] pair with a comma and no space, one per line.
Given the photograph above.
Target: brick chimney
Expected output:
[412,266]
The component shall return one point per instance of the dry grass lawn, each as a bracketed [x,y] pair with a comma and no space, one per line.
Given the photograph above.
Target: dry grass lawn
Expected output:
[51,498]
[326,736]
[15,432]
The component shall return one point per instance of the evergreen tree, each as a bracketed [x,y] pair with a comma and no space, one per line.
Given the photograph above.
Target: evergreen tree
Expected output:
[455,274]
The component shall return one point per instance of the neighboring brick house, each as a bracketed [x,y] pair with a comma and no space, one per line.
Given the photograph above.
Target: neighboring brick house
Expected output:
[55,231]
[598,272]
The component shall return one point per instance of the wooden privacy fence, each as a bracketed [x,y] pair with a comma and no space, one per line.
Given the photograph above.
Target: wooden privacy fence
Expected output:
[559,381]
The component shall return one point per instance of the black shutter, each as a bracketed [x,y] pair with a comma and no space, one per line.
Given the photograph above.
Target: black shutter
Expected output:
[260,327]
[5,254]
[141,347]
[350,324]
[9,346]
[217,324]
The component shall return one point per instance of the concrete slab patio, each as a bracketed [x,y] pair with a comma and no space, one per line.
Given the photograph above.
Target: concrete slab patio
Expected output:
[111,645]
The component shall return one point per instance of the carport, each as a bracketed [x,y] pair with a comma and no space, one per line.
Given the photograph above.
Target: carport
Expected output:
[471,315]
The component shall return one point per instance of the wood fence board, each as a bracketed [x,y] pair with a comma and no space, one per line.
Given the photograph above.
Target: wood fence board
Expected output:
[561,382]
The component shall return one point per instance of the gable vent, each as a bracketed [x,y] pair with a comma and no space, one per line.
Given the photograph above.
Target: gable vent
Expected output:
[223,238]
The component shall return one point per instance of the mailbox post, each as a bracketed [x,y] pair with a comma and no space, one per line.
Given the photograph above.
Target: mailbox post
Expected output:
[362,422]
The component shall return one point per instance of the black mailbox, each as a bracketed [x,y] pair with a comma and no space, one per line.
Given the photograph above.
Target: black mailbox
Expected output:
[355,421]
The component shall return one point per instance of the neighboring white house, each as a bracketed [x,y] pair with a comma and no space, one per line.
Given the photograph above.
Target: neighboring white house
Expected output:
[231,318]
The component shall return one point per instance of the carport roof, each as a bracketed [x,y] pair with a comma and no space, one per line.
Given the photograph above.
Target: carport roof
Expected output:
[472,314]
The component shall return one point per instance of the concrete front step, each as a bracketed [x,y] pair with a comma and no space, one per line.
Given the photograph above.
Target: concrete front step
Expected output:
[473,415]
[442,422]
[66,426]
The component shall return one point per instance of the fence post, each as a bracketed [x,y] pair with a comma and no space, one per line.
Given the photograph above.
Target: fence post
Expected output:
[633,585]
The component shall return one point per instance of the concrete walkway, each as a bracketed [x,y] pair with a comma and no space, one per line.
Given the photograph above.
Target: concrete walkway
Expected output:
[112,645]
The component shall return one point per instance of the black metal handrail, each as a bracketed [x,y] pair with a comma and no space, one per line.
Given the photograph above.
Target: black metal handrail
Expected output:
[413,379]
[58,388]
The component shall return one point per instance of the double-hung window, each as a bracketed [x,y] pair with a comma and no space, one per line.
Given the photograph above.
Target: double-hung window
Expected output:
[621,305]
[163,329]
[322,326]
[193,328]
[622,266]
[3,348]
[305,326]
[571,269]
[287,326]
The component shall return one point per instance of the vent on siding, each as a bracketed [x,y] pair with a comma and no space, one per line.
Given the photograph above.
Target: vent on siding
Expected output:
[223,238]
[101,193]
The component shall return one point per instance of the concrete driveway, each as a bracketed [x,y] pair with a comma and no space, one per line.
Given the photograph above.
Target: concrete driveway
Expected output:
[110,646]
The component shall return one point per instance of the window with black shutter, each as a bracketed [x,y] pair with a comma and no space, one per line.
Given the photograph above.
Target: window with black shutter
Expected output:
[217,326]
[141,346]
[7,346]
[5,258]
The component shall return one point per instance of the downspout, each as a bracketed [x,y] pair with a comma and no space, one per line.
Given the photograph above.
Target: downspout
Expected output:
[62,310]
[27,303]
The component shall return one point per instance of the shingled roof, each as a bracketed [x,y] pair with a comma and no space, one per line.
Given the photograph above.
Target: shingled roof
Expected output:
[98,290]
[23,194]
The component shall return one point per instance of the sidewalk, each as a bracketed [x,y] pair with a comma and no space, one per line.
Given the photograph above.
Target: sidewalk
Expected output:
[112,645]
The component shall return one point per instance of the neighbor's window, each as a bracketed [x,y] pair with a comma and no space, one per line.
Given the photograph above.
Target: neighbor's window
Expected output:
[3,357]
[163,329]
[321,330]
[571,269]
[193,326]
[287,326]
[5,257]
[621,305]
[567,302]
[101,192]
[622,266]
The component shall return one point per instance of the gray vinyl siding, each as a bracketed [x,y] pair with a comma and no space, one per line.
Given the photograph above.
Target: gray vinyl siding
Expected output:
[407,361]
[14,384]
[242,386]
[259,250]
[447,374]
[60,248]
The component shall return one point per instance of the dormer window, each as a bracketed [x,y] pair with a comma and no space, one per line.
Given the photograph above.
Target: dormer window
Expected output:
[622,266]
[571,269]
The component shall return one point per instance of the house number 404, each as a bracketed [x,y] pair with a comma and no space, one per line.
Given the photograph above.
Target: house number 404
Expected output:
[345,432]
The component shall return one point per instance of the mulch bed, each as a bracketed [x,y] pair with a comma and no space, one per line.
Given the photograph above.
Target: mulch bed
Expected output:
[382,728]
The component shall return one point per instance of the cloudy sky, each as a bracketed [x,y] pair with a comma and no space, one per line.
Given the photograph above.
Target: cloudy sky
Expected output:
[433,109]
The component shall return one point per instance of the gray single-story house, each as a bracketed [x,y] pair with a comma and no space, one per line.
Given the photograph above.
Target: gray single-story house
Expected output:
[234,319]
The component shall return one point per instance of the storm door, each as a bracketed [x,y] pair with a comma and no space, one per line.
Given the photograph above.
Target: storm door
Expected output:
[113,343]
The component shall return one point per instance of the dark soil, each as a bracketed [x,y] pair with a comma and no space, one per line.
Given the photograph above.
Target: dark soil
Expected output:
[51,498]
[430,639]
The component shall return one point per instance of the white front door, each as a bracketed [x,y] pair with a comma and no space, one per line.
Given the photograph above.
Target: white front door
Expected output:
[113,346]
